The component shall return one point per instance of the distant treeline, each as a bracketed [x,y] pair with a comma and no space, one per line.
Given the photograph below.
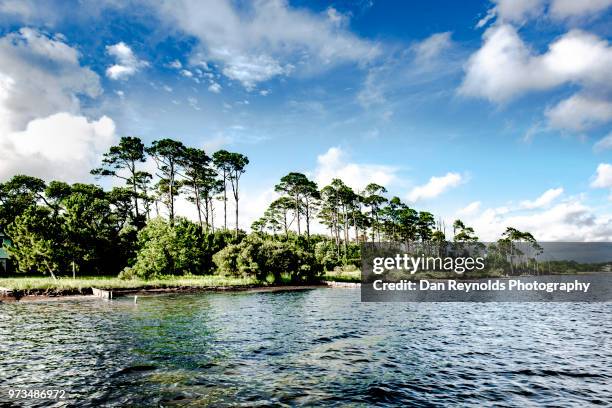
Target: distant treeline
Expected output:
[81,229]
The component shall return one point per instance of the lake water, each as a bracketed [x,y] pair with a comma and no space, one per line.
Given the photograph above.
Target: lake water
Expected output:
[319,347]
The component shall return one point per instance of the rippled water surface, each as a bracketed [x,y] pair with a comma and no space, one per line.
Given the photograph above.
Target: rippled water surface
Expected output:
[317,347]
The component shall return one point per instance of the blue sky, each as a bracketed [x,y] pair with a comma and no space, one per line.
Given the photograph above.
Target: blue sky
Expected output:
[497,112]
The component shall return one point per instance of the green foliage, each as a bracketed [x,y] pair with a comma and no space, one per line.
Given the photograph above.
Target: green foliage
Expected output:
[325,254]
[267,260]
[35,246]
[179,249]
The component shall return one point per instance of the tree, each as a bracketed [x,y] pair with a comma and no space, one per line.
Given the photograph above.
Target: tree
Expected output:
[56,192]
[237,163]
[91,228]
[329,214]
[36,243]
[462,233]
[122,159]
[222,161]
[337,202]
[277,214]
[347,198]
[311,195]
[199,175]
[512,235]
[374,200]
[18,194]
[408,220]
[167,154]
[295,185]
[424,225]
[391,214]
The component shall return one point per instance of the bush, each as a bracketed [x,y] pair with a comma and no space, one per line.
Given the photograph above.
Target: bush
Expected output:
[326,255]
[179,250]
[267,260]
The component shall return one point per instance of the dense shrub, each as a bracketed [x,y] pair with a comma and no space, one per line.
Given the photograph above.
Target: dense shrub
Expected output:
[329,257]
[267,260]
[326,255]
[176,250]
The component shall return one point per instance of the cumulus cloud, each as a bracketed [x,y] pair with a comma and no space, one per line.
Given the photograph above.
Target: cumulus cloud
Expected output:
[563,9]
[569,220]
[335,164]
[126,62]
[435,186]
[269,39]
[544,200]
[604,144]
[40,75]
[505,66]
[580,112]
[42,132]
[61,146]
[603,176]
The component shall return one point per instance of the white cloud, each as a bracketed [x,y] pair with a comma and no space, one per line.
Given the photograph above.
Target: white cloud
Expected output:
[544,200]
[42,132]
[580,112]
[603,177]
[61,146]
[562,9]
[604,144]
[29,11]
[570,220]
[126,63]
[176,64]
[519,11]
[250,70]
[514,11]
[505,67]
[469,209]
[214,87]
[193,102]
[432,46]
[186,73]
[266,40]
[335,164]
[372,92]
[435,186]
[39,76]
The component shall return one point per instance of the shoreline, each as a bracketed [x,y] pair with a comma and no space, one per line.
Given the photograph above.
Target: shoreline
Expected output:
[7,295]
[50,294]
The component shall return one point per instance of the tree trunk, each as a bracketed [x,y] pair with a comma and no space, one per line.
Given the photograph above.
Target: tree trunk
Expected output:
[236,210]
[50,271]
[297,212]
[198,203]
[212,215]
[285,224]
[307,221]
[224,199]
[171,192]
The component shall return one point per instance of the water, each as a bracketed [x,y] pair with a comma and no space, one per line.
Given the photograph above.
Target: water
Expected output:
[320,347]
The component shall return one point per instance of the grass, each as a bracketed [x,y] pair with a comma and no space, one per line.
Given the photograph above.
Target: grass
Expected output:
[82,285]
[29,283]
[343,275]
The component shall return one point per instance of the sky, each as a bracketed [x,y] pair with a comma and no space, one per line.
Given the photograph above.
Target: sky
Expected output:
[496,112]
